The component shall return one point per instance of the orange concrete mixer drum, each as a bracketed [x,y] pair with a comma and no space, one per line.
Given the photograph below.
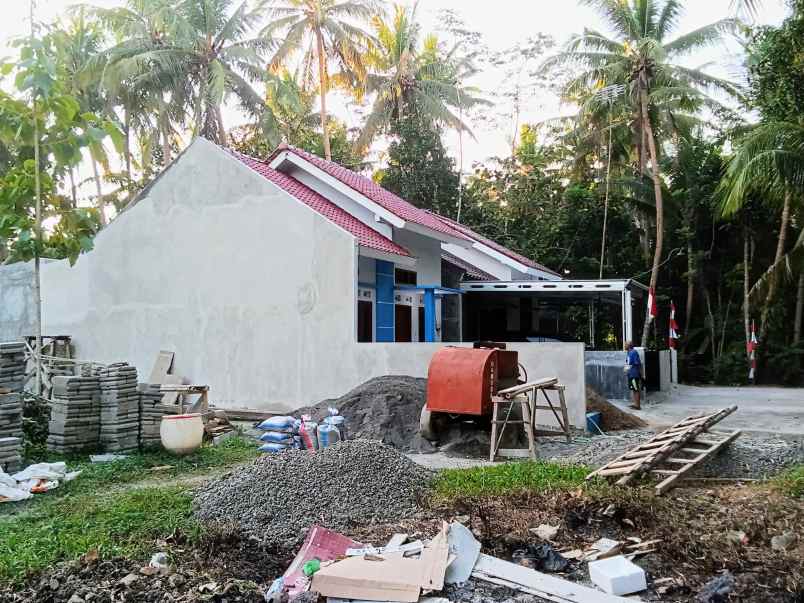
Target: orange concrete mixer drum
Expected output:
[462,381]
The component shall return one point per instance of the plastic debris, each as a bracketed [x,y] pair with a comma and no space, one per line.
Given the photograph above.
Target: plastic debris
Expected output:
[717,590]
[541,557]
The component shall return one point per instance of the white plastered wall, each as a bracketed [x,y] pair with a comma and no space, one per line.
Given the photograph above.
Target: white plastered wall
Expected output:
[251,288]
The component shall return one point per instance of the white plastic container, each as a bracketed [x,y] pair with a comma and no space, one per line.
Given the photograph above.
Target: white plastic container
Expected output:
[181,434]
[617,576]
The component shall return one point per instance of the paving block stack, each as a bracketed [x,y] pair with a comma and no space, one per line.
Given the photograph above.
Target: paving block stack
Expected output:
[12,378]
[151,413]
[120,407]
[74,414]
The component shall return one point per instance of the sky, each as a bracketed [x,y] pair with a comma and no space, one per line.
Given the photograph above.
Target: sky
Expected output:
[502,23]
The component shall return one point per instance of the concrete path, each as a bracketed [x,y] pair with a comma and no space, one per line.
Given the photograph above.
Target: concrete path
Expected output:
[768,411]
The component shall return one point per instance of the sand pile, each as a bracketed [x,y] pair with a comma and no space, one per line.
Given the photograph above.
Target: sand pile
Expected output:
[613,418]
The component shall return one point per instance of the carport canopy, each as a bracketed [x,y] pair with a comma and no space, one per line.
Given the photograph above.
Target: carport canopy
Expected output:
[620,292]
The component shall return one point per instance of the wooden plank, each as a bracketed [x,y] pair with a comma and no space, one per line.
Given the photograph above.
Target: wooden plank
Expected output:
[679,461]
[536,583]
[665,471]
[525,387]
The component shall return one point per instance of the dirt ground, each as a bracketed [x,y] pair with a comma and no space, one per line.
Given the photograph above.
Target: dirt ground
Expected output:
[703,533]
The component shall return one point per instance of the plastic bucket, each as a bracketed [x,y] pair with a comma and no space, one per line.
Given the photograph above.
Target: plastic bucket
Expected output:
[593,420]
[181,434]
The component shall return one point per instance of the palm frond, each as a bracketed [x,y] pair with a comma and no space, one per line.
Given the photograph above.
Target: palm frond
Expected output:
[701,37]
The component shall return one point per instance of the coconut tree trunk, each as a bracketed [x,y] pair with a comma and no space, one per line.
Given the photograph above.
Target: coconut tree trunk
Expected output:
[222,139]
[166,150]
[127,143]
[657,190]
[690,286]
[747,290]
[199,102]
[799,310]
[99,203]
[773,284]
[322,77]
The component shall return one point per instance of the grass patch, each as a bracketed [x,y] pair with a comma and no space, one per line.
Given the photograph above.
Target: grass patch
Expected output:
[791,482]
[508,478]
[125,523]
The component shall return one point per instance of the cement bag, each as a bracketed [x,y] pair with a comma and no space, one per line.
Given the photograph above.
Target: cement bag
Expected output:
[273,447]
[276,437]
[328,435]
[277,424]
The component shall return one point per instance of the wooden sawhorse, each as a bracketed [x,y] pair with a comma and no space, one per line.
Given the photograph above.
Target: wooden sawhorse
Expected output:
[527,394]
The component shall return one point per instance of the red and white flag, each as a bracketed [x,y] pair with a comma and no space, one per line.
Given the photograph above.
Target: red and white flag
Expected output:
[673,327]
[652,304]
[752,351]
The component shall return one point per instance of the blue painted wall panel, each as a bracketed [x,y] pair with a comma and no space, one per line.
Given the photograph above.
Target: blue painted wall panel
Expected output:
[384,277]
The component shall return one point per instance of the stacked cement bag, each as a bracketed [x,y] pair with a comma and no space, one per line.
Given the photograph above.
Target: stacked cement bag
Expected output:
[120,407]
[279,434]
[74,414]
[151,413]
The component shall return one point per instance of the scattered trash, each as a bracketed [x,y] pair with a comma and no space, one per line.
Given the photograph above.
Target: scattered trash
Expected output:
[552,588]
[158,560]
[783,541]
[603,548]
[541,557]
[34,479]
[617,576]
[466,549]
[545,531]
[737,537]
[717,590]
[106,458]
[322,544]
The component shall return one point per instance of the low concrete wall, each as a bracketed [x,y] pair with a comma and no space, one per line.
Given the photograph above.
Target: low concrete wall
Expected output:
[562,360]
[604,373]
[16,301]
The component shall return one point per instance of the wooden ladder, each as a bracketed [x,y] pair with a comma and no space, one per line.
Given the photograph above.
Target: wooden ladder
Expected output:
[662,454]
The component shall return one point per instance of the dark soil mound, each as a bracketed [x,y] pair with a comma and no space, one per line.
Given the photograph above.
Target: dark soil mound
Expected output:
[613,419]
[384,408]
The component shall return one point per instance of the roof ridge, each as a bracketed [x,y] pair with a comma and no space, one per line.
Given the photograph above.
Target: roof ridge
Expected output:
[365,235]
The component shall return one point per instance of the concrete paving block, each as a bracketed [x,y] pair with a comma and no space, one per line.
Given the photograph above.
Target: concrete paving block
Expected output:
[617,576]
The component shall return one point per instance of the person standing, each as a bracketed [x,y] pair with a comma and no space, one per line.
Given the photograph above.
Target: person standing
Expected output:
[633,370]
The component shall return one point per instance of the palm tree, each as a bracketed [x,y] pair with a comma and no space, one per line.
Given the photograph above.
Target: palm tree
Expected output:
[323,30]
[409,75]
[770,162]
[191,54]
[640,58]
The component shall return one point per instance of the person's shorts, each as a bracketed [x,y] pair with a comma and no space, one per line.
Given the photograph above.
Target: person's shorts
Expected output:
[635,384]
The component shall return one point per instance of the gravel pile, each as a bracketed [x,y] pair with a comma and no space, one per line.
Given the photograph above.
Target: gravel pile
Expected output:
[384,408]
[279,496]
[753,457]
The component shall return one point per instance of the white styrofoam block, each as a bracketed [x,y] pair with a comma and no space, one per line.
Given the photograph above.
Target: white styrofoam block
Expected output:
[617,576]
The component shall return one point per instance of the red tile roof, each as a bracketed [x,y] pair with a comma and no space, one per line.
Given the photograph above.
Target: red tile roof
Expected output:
[495,246]
[372,190]
[365,235]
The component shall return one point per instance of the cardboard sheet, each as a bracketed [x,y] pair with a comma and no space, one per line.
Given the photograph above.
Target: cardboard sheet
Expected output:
[322,544]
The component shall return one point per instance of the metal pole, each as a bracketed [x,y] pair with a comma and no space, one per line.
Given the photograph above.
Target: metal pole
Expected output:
[38,232]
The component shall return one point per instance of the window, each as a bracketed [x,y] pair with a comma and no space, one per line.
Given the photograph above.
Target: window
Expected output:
[405,277]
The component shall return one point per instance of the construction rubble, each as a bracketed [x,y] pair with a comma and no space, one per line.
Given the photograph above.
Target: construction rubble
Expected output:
[331,565]
[12,377]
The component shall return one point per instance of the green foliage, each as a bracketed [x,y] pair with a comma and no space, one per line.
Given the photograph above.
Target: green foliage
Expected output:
[791,482]
[419,168]
[113,523]
[508,478]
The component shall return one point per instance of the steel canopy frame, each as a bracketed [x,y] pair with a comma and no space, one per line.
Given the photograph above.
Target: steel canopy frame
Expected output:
[571,289]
